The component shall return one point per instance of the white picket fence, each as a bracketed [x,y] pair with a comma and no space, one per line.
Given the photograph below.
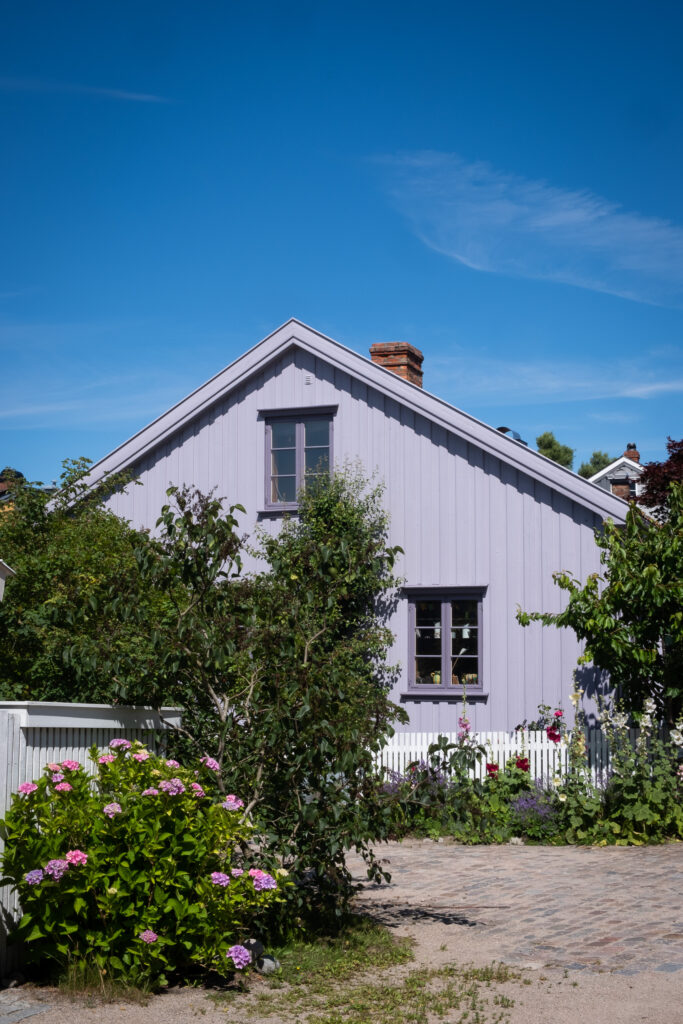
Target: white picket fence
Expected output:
[545,757]
[33,734]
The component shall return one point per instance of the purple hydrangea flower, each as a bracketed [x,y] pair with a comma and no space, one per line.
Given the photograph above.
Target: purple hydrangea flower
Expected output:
[56,868]
[34,877]
[111,809]
[232,803]
[211,763]
[174,787]
[120,744]
[149,936]
[172,764]
[262,880]
[218,878]
[236,872]
[240,956]
[150,792]
[58,777]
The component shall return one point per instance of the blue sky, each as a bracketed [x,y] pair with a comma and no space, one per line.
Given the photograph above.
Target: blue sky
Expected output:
[497,184]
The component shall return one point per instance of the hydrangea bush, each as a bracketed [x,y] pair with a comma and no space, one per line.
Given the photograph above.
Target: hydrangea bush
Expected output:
[136,871]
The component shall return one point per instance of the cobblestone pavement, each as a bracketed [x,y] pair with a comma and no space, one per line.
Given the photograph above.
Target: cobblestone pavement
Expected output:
[15,1006]
[584,909]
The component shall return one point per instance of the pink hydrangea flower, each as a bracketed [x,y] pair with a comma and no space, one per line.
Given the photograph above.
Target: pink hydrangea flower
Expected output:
[218,878]
[71,766]
[111,809]
[211,763]
[106,759]
[174,787]
[63,787]
[232,803]
[53,767]
[197,789]
[236,872]
[56,868]
[172,764]
[149,936]
[27,787]
[141,755]
[77,857]
[240,956]
[120,744]
[150,792]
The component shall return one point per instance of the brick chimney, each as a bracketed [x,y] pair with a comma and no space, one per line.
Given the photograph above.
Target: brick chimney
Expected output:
[400,357]
[632,452]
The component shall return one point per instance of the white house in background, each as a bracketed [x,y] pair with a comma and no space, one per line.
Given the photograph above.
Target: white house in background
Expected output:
[5,573]
[622,477]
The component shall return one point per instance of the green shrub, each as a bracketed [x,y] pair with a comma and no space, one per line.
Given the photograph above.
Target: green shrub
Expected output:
[139,871]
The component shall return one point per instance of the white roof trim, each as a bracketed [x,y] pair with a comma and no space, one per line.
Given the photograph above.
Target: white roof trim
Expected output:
[623,460]
[295,333]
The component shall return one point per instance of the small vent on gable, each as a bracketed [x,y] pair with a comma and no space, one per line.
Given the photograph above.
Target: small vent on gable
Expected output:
[308,378]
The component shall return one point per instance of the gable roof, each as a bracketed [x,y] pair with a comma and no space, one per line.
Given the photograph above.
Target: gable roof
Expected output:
[623,462]
[295,334]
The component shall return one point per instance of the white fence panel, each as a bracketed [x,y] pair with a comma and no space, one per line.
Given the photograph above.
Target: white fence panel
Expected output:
[33,734]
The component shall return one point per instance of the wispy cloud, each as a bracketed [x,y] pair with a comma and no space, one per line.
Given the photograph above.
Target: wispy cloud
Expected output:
[39,85]
[501,223]
[467,378]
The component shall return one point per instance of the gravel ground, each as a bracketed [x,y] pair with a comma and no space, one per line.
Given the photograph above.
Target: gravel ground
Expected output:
[598,933]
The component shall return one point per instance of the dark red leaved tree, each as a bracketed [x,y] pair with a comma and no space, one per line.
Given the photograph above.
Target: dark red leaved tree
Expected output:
[657,479]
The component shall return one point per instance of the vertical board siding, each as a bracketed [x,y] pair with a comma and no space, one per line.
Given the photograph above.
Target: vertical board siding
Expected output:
[464,518]
[24,752]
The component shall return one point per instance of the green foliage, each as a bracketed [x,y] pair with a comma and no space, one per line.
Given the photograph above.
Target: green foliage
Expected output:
[632,619]
[149,854]
[58,636]
[283,674]
[548,445]
[598,461]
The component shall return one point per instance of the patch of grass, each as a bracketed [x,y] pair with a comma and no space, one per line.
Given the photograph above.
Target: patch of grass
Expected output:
[361,946]
[91,987]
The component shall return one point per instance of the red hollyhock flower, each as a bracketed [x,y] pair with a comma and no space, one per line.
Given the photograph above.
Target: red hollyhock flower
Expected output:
[553,733]
[492,770]
[522,763]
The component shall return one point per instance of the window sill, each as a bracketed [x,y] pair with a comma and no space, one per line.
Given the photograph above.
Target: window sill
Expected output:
[454,694]
[277,512]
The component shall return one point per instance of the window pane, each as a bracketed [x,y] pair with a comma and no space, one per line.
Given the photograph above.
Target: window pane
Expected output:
[463,614]
[464,672]
[428,671]
[426,642]
[283,463]
[283,488]
[317,433]
[428,613]
[463,646]
[317,460]
[283,434]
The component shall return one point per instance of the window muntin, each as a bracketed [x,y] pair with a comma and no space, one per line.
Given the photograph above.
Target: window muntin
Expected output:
[445,642]
[298,449]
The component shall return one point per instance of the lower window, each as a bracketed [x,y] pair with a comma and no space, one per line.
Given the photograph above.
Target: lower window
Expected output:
[445,641]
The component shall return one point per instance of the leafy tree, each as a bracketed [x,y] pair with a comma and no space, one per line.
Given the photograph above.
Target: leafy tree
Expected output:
[56,635]
[631,619]
[657,478]
[598,461]
[283,674]
[549,446]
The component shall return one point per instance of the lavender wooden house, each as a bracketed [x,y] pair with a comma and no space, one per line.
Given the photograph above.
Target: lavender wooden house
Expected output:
[483,520]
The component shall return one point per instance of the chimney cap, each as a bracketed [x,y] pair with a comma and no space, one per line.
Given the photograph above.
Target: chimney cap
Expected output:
[401,358]
[632,452]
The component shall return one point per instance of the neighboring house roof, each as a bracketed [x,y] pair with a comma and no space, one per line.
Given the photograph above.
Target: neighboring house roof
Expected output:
[294,334]
[622,466]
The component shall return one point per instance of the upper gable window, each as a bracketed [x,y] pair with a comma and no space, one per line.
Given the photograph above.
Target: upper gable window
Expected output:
[298,449]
